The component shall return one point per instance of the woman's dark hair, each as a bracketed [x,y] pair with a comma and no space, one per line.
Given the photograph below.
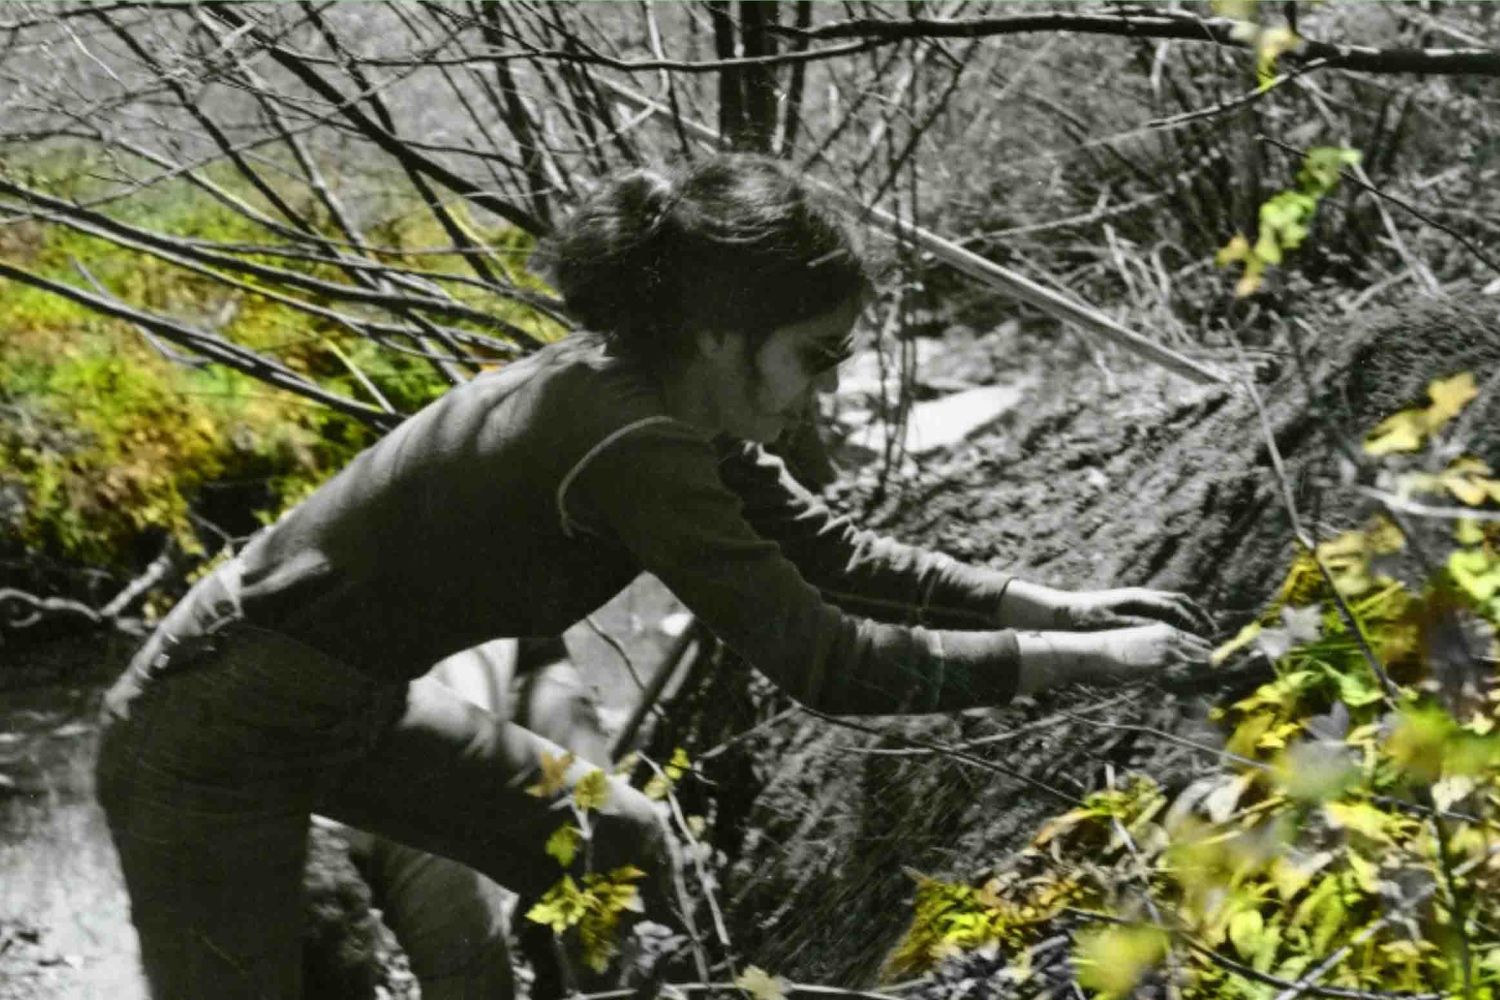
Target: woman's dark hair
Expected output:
[729,243]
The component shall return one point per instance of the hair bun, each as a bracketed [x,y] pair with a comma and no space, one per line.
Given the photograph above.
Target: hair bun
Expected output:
[644,199]
[730,242]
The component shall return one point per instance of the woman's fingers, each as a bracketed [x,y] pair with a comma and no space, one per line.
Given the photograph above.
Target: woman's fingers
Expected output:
[1170,607]
[1202,621]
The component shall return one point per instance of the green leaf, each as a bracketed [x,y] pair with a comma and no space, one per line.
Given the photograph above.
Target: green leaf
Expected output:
[1113,960]
[1475,572]
[563,844]
[560,907]
[1245,931]
[592,790]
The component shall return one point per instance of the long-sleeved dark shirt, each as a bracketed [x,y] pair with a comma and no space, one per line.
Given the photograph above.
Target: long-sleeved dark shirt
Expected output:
[521,501]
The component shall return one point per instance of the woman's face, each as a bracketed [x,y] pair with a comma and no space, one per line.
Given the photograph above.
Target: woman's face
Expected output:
[763,393]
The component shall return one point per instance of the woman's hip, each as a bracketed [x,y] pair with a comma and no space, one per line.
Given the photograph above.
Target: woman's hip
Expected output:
[216,716]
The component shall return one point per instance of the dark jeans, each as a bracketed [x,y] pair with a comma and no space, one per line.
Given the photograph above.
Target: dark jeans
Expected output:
[222,738]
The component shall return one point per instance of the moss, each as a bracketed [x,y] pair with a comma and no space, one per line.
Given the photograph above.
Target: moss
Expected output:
[107,446]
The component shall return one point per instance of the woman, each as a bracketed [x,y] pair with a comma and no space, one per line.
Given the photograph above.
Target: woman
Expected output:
[720,299]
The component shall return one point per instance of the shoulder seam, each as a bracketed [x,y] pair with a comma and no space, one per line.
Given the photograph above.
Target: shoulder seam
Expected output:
[589,456]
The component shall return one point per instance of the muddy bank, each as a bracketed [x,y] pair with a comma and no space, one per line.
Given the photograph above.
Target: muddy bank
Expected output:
[1130,478]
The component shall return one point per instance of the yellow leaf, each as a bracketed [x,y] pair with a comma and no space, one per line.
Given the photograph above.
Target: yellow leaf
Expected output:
[1449,397]
[1360,817]
[1469,480]
[1061,824]
[657,787]
[1291,874]
[592,790]
[1401,431]
[1245,637]
[1250,281]
[1247,735]
[1237,249]
[1276,42]
[554,775]
[760,984]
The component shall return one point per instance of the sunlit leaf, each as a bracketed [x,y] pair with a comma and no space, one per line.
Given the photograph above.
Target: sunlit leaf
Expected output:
[1221,803]
[1246,930]
[1450,396]
[1448,792]
[1468,531]
[560,907]
[1406,430]
[1476,572]
[563,844]
[1403,431]
[554,777]
[1359,817]
[1244,638]
[657,787]
[592,790]
[1111,961]
[1292,872]
[760,984]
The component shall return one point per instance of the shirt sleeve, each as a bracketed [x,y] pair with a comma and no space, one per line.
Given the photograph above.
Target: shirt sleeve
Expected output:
[856,569]
[658,492]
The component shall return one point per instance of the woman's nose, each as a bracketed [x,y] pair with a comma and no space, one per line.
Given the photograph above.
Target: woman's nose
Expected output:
[827,382]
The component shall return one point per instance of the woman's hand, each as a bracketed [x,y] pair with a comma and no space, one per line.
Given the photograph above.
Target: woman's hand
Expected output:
[1114,656]
[1130,606]
[1146,652]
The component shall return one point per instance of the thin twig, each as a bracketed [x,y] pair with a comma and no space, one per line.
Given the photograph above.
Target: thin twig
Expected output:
[1391,692]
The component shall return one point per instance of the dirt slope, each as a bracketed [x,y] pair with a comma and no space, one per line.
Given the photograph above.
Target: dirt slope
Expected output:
[1143,482]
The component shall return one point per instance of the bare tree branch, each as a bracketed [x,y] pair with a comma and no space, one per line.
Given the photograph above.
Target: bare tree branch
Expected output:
[1220,31]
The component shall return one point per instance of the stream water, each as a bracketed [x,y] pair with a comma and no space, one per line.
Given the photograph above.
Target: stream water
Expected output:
[64,921]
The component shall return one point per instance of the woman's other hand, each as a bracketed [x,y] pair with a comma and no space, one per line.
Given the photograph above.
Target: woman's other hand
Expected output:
[1131,606]
[1034,605]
